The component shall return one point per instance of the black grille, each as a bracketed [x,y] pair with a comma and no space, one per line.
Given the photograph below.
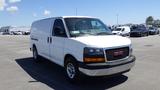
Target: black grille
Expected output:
[118,53]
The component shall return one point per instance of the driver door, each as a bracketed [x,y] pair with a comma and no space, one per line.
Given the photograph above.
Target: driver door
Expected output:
[58,41]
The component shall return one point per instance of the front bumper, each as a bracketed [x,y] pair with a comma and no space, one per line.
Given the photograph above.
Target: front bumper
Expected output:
[135,34]
[152,32]
[107,68]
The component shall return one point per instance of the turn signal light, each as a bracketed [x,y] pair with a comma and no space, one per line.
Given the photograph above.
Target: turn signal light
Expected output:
[94,60]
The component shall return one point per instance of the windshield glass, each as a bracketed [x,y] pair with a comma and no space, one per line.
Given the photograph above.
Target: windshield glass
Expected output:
[86,26]
[135,28]
[117,29]
[151,28]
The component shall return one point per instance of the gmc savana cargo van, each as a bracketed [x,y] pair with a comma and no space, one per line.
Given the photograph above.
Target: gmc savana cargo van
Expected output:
[82,45]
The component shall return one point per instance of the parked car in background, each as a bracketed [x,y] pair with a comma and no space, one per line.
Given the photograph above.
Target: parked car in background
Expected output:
[139,31]
[4,33]
[123,31]
[153,31]
[17,33]
[26,32]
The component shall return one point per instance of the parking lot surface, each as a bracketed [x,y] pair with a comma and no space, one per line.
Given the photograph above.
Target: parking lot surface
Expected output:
[18,71]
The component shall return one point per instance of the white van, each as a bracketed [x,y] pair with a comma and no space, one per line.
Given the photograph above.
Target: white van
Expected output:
[123,30]
[82,45]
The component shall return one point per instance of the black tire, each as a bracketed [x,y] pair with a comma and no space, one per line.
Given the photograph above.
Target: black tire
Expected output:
[36,57]
[141,35]
[71,70]
[147,34]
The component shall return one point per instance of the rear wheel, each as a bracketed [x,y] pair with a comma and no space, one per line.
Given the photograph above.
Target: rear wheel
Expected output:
[36,57]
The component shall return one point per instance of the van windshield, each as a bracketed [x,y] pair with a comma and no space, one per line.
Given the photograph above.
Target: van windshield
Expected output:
[86,26]
[118,29]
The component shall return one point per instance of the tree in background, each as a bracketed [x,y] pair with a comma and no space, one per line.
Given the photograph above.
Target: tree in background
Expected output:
[157,23]
[149,21]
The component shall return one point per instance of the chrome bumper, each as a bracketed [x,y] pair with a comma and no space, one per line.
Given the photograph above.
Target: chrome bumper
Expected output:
[108,69]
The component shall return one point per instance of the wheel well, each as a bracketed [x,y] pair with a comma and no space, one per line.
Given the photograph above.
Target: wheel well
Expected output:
[34,46]
[69,56]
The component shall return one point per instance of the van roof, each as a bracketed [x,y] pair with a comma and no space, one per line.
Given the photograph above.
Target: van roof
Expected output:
[70,17]
[77,17]
[66,17]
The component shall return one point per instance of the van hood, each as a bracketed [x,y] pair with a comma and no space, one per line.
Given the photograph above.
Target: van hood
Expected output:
[103,41]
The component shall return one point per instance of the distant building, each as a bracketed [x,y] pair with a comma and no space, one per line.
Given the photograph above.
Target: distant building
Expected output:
[5,29]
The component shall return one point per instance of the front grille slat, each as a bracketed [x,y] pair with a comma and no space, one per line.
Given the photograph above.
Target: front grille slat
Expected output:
[116,54]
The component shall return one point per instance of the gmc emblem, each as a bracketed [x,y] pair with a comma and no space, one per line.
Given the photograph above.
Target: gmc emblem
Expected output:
[118,53]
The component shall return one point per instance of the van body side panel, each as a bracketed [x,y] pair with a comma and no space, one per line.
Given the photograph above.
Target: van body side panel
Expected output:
[41,31]
[74,48]
[126,30]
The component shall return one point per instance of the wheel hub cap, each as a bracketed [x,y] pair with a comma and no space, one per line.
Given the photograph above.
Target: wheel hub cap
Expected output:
[71,70]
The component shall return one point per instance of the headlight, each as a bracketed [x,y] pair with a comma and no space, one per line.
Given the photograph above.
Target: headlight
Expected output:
[93,55]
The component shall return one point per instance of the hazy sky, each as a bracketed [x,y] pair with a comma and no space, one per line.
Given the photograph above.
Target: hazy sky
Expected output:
[24,12]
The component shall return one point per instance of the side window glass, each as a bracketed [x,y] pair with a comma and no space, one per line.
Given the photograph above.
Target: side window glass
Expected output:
[123,30]
[58,29]
[96,24]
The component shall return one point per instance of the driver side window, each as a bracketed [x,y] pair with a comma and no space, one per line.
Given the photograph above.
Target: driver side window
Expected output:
[58,29]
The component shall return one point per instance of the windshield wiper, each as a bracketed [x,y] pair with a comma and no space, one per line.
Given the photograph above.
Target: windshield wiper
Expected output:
[81,35]
[87,34]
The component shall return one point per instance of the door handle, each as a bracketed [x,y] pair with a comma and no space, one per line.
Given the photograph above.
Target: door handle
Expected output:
[48,39]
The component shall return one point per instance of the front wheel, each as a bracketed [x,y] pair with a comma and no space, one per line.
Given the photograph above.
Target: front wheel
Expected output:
[71,69]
